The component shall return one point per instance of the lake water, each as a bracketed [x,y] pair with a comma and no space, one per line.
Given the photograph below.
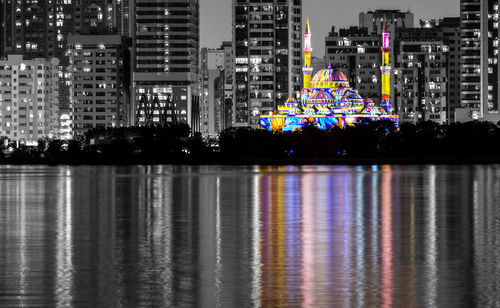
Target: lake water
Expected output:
[224,236]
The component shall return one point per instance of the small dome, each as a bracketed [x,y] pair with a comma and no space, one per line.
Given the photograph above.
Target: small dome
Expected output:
[291,102]
[321,95]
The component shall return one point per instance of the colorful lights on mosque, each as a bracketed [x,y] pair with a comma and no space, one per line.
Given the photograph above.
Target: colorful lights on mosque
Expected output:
[327,99]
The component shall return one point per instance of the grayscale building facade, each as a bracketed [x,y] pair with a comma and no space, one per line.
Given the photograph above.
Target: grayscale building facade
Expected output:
[267,44]
[421,81]
[29,98]
[373,20]
[98,81]
[490,64]
[40,28]
[216,94]
[470,88]
[428,71]
[480,61]
[449,33]
[212,97]
[228,84]
[165,58]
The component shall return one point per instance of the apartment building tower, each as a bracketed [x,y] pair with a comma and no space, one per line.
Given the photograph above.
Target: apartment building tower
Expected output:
[217,85]
[373,21]
[165,54]
[29,98]
[212,98]
[228,84]
[449,33]
[490,61]
[479,61]
[428,71]
[99,81]
[40,28]
[470,87]
[267,44]
[421,81]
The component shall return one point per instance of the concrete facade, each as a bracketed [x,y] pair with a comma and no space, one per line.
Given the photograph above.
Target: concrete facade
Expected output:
[165,59]
[212,98]
[421,81]
[267,44]
[29,98]
[99,82]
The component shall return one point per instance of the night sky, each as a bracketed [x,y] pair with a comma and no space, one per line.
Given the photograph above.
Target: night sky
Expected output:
[216,16]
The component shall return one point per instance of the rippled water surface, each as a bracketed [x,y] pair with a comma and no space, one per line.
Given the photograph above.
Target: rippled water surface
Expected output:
[163,236]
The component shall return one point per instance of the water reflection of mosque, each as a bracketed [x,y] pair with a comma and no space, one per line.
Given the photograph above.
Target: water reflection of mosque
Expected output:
[288,236]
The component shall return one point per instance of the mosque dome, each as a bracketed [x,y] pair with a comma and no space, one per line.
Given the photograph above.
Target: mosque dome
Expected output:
[329,77]
[321,95]
[291,102]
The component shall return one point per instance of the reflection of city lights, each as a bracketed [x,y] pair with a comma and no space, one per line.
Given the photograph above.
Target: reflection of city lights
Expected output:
[64,244]
[256,237]
[387,237]
[430,242]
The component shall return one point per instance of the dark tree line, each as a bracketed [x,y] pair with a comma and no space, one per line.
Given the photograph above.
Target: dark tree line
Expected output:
[368,140]
[176,144]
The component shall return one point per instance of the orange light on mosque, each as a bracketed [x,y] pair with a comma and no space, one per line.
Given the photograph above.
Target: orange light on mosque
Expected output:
[387,238]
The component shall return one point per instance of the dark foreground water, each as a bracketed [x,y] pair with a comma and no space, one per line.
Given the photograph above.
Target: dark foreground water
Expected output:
[164,236]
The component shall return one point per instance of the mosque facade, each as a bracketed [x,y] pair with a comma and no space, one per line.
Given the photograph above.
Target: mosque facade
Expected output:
[327,100]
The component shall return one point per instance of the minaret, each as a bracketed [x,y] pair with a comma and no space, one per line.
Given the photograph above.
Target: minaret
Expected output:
[386,70]
[307,70]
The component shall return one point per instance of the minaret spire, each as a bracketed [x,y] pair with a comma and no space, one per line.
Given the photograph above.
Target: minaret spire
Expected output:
[307,70]
[386,69]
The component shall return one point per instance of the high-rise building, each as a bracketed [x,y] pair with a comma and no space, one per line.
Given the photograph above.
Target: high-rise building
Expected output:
[373,21]
[166,59]
[228,84]
[40,28]
[3,25]
[479,61]
[267,51]
[449,33]
[212,97]
[217,84]
[490,61]
[98,81]
[428,71]
[29,98]
[470,88]
[357,54]
[421,81]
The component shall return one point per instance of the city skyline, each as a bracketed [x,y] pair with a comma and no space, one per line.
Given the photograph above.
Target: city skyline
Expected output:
[216,30]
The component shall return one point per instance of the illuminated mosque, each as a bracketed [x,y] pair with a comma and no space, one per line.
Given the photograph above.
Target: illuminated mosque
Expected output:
[327,100]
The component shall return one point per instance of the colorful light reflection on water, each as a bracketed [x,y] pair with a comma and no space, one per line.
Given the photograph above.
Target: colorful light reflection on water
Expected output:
[313,236]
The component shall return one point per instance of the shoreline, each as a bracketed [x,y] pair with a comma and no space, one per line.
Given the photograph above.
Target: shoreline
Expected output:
[260,161]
